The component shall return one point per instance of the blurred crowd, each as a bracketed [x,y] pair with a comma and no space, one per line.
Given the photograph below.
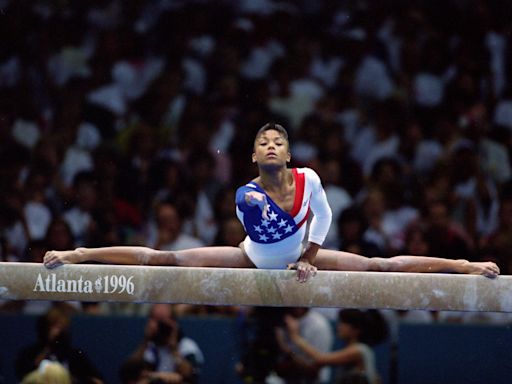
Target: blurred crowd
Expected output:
[133,122]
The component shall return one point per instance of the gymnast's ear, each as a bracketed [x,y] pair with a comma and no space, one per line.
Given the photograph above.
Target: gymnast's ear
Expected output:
[253,157]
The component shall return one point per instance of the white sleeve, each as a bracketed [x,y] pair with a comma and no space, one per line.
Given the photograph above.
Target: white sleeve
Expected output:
[320,207]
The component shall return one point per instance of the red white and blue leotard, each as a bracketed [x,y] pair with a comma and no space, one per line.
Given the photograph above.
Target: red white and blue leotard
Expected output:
[276,242]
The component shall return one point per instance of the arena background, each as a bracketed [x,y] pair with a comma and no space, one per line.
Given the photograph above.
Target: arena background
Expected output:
[132,123]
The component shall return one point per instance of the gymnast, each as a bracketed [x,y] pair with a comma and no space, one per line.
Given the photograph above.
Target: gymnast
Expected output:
[273,209]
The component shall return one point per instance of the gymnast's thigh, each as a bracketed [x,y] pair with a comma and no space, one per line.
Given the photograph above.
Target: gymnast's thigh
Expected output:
[223,257]
[328,259]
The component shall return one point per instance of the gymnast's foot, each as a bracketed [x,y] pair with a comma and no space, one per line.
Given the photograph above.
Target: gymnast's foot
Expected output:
[486,268]
[53,259]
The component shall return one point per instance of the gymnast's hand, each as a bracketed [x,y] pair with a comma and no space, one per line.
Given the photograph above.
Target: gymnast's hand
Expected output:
[53,259]
[486,268]
[260,199]
[305,270]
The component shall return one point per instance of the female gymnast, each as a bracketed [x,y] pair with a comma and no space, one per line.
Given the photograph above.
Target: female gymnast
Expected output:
[273,209]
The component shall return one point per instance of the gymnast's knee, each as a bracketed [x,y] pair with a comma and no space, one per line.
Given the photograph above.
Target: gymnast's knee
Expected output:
[379,264]
[165,258]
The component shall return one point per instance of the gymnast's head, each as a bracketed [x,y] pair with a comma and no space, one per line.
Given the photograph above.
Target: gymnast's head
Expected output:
[271,145]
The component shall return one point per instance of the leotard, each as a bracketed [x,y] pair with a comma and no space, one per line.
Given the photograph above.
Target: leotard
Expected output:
[276,242]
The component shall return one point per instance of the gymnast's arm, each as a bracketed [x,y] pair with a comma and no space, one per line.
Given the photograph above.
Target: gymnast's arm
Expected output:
[317,231]
[321,220]
[128,255]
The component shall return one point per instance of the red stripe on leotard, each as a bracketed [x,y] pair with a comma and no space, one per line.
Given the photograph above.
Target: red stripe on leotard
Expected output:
[300,181]
[304,219]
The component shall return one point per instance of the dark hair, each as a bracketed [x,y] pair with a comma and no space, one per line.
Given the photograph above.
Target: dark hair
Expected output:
[371,324]
[353,317]
[272,127]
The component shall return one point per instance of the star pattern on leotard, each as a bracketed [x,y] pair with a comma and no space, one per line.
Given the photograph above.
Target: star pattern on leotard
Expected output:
[277,226]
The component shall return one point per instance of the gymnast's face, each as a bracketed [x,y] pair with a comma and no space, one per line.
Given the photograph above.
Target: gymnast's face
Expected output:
[271,148]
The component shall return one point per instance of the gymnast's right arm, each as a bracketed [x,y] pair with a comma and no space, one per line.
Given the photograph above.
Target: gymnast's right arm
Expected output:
[110,255]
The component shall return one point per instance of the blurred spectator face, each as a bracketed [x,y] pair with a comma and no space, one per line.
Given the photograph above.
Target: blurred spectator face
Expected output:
[437,189]
[387,171]
[162,322]
[350,230]
[171,176]
[438,215]
[36,185]
[160,312]
[168,219]
[57,324]
[229,89]
[331,172]
[346,331]
[87,196]
[54,327]
[465,162]
[233,231]
[225,203]
[374,204]
[506,214]
[202,170]
[298,312]
[59,236]
[416,243]
[413,132]
[143,142]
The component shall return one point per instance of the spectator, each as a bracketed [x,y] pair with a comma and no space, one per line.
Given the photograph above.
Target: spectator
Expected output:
[447,238]
[351,229]
[167,350]
[296,366]
[81,217]
[59,235]
[48,372]
[337,196]
[231,232]
[168,233]
[54,344]
[355,362]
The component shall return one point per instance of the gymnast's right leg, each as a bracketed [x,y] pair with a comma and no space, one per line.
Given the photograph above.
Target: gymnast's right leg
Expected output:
[226,257]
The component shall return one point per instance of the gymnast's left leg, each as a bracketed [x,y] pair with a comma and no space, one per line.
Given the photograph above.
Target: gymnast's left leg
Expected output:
[344,261]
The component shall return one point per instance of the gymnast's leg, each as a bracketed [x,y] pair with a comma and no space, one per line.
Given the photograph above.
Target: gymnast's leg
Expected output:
[226,257]
[345,261]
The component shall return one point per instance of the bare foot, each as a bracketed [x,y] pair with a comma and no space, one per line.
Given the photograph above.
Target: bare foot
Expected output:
[53,259]
[486,268]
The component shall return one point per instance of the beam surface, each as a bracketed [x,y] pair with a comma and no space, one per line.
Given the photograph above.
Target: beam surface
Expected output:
[221,286]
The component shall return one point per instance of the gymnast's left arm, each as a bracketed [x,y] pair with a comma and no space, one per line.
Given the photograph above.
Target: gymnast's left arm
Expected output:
[321,210]
[317,231]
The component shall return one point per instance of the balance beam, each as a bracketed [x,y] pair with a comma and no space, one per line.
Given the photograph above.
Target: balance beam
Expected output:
[255,287]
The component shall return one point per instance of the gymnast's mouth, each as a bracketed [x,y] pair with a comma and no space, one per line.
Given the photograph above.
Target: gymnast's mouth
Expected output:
[271,154]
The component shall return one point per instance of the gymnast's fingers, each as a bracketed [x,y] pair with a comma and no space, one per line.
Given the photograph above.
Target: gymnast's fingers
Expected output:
[51,260]
[264,212]
[301,274]
[311,272]
[305,271]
